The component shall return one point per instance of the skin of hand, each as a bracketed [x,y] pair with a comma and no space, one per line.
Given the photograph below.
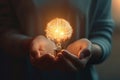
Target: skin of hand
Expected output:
[76,56]
[41,50]
[81,48]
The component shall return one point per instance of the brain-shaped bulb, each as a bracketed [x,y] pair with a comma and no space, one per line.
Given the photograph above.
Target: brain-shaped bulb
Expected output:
[58,30]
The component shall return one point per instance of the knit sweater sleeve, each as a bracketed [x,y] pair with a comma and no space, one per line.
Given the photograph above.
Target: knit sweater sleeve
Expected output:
[102,27]
[7,16]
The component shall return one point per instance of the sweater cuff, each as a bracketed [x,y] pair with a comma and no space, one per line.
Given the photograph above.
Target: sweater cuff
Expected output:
[105,46]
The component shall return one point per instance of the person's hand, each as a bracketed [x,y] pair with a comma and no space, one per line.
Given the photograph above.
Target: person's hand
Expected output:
[81,48]
[41,50]
[76,56]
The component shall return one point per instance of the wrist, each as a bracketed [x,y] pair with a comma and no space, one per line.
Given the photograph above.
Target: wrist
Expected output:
[96,53]
[96,49]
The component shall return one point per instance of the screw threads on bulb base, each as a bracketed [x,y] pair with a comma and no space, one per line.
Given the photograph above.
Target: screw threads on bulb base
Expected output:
[57,50]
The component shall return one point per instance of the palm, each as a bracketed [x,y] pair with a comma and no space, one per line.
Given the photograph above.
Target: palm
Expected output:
[40,52]
[78,46]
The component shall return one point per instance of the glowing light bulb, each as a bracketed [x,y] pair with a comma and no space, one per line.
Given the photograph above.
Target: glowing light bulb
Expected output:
[58,30]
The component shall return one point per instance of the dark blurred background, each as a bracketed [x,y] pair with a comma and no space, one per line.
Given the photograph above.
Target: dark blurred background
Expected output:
[110,69]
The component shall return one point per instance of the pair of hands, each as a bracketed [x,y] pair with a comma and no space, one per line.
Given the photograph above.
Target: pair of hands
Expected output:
[74,58]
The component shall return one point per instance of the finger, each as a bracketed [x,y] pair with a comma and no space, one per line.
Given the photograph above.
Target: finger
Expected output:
[65,64]
[35,54]
[84,54]
[46,57]
[69,56]
[74,59]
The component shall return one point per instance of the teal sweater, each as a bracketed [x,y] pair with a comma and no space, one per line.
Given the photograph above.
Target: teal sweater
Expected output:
[98,27]
[90,19]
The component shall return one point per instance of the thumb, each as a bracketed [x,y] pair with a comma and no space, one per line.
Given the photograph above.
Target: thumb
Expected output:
[84,54]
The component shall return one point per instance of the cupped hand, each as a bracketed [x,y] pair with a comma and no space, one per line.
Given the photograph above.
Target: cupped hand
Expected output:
[81,48]
[76,56]
[41,50]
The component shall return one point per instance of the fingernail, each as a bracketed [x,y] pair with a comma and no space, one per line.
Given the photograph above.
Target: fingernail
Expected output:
[64,52]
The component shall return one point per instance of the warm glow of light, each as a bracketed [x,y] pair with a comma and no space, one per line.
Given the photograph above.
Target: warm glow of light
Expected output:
[58,30]
[116,11]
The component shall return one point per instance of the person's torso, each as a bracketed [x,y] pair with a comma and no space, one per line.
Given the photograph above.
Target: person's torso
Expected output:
[34,15]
